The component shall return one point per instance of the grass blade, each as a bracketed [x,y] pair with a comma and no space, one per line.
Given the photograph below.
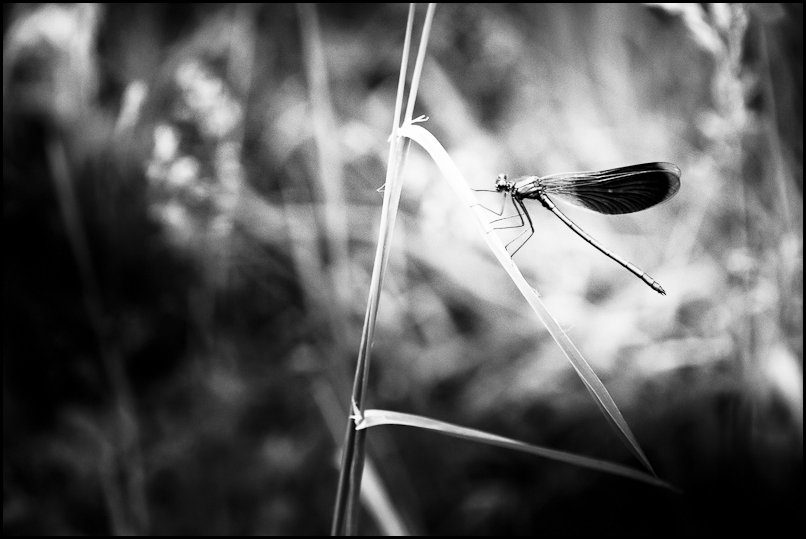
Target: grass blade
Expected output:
[589,378]
[351,472]
[376,418]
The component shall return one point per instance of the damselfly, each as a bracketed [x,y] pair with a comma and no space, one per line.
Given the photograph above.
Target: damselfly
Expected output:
[615,191]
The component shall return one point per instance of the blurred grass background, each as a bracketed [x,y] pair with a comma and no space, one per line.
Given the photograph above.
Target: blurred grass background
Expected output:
[190,216]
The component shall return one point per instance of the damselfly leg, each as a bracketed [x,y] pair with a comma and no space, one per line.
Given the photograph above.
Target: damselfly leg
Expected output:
[500,212]
[520,211]
[518,202]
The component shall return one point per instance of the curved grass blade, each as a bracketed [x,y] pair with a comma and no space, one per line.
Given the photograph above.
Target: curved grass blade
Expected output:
[376,418]
[466,195]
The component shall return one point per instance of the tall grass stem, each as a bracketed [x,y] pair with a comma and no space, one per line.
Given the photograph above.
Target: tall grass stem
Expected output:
[345,512]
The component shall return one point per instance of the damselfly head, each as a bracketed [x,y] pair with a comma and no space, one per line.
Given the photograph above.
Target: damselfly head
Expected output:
[501,183]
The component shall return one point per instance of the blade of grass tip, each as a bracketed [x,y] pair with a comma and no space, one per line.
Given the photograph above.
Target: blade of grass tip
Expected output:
[418,66]
[584,371]
[350,475]
[376,418]
[401,81]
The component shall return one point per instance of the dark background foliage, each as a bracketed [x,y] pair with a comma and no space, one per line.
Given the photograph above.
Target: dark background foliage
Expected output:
[190,216]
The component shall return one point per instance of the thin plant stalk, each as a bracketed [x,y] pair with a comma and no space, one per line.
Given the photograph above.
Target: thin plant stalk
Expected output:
[349,486]
[418,66]
[374,495]
[352,457]
[357,468]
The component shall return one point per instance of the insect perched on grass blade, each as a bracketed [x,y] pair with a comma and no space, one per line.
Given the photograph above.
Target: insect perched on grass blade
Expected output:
[619,190]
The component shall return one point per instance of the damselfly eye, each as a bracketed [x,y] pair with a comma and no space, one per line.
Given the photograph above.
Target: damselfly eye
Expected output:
[501,181]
